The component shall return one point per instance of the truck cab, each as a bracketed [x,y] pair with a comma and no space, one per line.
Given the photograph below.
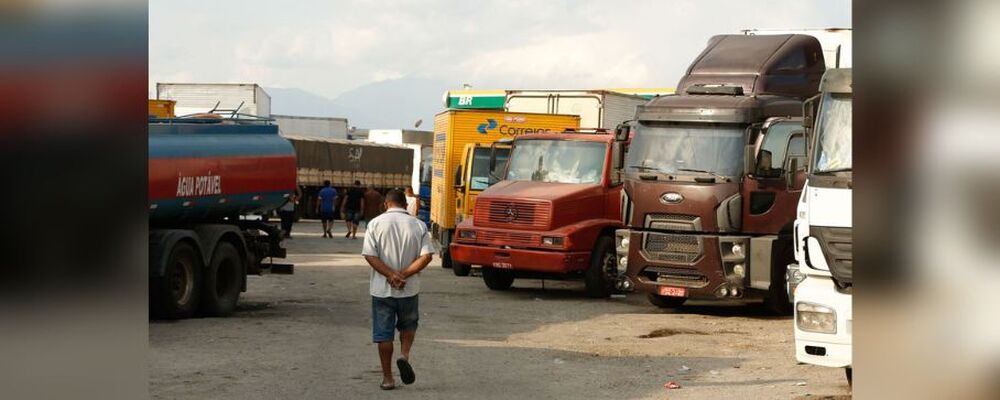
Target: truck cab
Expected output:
[472,177]
[713,178]
[821,279]
[552,216]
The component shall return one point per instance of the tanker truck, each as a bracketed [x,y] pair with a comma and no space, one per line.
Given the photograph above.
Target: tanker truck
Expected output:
[204,175]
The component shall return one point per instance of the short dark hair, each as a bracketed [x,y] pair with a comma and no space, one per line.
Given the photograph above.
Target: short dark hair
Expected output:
[326,182]
[396,197]
[357,183]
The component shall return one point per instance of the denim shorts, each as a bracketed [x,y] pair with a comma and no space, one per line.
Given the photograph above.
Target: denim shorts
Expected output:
[352,216]
[390,313]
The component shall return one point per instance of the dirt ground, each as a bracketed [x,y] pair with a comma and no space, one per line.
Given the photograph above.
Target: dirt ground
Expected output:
[308,336]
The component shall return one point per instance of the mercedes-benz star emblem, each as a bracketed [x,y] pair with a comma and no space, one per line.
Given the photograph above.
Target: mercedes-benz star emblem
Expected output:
[511,213]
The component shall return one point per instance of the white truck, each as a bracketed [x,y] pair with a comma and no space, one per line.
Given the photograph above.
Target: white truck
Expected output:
[836,42]
[821,281]
[192,98]
[420,141]
[321,127]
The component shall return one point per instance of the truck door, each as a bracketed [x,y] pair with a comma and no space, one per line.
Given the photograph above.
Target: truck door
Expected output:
[770,202]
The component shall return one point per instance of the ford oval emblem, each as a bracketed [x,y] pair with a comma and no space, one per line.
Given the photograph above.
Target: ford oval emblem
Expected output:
[671,198]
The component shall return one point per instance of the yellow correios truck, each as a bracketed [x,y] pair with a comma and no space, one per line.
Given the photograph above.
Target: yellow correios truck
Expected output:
[461,168]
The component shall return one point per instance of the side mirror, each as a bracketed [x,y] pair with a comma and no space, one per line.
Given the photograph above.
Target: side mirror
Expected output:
[791,171]
[459,182]
[809,111]
[621,132]
[763,168]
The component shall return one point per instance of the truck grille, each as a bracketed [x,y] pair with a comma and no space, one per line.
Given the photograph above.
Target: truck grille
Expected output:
[673,222]
[837,245]
[512,214]
[673,248]
[676,276]
[508,239]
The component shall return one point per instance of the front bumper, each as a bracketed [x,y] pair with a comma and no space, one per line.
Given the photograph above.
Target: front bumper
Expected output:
[825,349]
[698,263]
[543,261]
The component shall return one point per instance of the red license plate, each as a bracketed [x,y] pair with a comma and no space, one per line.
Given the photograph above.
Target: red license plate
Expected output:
[673,291]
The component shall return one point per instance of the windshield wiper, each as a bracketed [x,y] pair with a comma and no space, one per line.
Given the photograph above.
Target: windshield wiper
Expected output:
[832,171]
[645,168]
[713,173]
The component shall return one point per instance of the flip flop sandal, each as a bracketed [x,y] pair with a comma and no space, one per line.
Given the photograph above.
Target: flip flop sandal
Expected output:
[405,371]
[387,386]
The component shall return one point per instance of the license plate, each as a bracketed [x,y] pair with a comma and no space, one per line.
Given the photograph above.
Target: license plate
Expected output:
[673,291]
[502,265]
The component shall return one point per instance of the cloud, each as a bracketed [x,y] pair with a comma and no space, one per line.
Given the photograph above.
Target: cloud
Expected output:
[329,47]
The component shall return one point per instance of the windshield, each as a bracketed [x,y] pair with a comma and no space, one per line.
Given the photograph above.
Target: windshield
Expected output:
[480,179]
[426,166]
[683,149]
[557,161]
[833,144]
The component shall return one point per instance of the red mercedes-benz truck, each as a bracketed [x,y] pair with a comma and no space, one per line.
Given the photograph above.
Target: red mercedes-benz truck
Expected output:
[712,179]
[204,175]
[553,216]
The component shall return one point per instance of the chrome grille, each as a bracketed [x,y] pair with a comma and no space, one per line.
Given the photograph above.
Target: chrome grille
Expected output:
[512,214]
[673,222]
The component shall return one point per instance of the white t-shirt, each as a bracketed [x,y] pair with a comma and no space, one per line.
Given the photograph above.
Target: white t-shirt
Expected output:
[411,205]
[397,239]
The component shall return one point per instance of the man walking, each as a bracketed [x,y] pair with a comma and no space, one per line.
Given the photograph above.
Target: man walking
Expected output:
[324,207]
[398,247]
[373,203]
[287,212]
[353,207]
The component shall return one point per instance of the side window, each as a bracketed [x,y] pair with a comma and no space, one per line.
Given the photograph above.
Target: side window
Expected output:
[776,140]
[797,146]
[793,62]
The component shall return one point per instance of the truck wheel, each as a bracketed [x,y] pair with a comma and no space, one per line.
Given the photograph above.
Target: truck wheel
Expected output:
[175,295]
[665,301]
[777,302]
[223,279]
[446,259]
[600,277]
[460,269]
[497,279]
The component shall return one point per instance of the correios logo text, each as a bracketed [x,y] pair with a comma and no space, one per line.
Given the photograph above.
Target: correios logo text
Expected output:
[507,130]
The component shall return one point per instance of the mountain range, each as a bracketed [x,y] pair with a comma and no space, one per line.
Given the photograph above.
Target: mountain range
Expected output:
[389,104]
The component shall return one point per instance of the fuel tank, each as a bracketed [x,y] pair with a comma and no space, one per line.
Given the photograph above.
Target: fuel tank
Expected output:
[203,170]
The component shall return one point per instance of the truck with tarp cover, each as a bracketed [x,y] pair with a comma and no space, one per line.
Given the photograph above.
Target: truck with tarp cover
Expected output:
[342,162]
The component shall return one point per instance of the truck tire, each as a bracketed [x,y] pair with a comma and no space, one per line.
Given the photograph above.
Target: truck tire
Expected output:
[665,301]
[223,279]
[446,259]
[460,269]
[497,279]
[777,301]
[175,295]
[599,279]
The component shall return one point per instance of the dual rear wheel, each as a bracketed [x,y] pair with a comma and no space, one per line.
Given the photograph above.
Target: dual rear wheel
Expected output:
[188,287]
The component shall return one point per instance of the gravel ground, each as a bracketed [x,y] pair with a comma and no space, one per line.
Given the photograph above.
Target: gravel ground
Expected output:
[308,336]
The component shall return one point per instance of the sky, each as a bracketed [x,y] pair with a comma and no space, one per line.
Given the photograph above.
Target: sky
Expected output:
[329,47]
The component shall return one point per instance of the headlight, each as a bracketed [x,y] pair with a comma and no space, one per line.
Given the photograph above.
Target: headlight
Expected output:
[739,270]
[624,243]
[815,318]
[467,234]
[738,251]
[552,240]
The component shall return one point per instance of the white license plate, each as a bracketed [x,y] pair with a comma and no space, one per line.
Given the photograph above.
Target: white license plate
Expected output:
[502,265]
[673,291]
